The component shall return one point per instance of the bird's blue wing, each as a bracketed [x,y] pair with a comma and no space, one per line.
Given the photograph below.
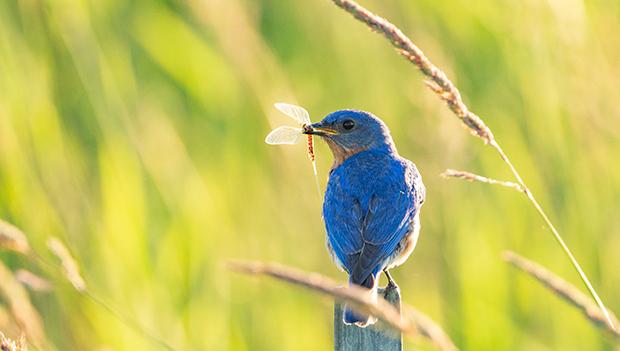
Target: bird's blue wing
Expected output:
[343,214]
[369,205]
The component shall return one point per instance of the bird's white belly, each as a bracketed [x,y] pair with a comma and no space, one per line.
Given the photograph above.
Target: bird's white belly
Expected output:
[406,245]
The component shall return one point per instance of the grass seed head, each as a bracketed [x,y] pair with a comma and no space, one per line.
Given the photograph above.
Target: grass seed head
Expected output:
[13,239]
[7,344]
[69,265]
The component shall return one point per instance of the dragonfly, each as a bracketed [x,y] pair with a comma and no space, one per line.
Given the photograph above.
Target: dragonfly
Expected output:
[286,135]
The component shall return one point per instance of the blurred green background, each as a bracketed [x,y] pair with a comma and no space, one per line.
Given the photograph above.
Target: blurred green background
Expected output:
[133,130]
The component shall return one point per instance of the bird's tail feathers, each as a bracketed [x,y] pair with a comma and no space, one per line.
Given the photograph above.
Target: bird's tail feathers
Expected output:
[361,319]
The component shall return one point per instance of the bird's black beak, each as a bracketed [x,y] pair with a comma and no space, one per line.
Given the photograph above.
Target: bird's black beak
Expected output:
[319,129]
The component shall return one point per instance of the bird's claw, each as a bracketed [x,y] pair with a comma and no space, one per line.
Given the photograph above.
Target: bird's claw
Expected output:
[391,283]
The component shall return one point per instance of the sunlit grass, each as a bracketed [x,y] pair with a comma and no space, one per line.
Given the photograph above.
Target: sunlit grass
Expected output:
[134,132]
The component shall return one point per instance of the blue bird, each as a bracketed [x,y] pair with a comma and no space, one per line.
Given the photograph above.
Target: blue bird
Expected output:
[372,202]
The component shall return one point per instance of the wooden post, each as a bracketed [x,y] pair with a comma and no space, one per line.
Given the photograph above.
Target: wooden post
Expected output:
[378,337]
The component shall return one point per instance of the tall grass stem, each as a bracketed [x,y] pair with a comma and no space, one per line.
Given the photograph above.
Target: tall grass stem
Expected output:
[410,322]
[563,289]
[447,91]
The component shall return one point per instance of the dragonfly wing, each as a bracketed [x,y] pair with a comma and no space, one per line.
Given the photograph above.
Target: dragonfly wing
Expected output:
[296,112]
[284,135]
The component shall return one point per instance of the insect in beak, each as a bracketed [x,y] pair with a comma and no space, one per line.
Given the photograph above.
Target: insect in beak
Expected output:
[319,129]
[292,135]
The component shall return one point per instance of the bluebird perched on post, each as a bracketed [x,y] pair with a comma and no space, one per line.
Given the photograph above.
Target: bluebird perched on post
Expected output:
[372,202]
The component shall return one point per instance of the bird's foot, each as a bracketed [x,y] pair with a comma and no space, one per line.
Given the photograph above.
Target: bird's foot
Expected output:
[391,283]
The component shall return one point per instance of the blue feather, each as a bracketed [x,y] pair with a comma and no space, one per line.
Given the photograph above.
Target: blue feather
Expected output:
[352,317]
[368,209]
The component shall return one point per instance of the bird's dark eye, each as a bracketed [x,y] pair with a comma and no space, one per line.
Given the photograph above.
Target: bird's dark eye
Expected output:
[348,124]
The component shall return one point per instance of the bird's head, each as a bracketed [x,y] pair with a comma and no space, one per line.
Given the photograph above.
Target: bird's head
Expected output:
[348,132]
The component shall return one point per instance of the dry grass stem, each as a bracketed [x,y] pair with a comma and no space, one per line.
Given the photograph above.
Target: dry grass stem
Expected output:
[68,263]
[452,173]
[413,323]
[7,344]
[442,86]
[315,281]
[5,319]
[33,281]
[563,289]
[13,239]
[439,82]
[429,329]
[21,308]
[7,323]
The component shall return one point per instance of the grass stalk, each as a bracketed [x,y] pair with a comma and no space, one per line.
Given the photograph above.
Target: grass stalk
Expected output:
[22,310]
[452,173]
[440,84]
[410,322]
[7,344]
[563,289]
[12,238]
[71,272]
